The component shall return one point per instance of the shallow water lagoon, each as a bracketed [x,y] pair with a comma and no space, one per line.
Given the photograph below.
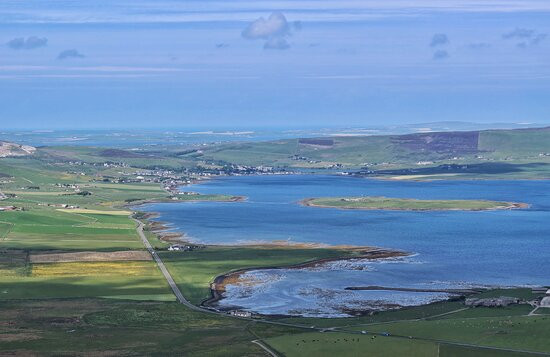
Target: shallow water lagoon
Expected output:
[450,249]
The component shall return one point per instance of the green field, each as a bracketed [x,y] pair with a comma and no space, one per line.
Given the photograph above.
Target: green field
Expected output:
[515,332]
[400,204]
[341,344]
[72,327]
[45,228]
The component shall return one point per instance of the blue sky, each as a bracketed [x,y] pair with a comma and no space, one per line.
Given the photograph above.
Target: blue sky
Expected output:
[236,63]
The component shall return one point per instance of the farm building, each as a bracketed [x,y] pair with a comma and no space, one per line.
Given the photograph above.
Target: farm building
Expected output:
[8,208]
[240,313]
[182,248]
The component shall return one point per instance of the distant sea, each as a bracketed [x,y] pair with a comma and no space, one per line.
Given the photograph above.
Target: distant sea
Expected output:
[141,139]
[450,249]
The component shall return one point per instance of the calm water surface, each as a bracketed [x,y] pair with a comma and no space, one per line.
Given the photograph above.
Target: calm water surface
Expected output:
[452,249]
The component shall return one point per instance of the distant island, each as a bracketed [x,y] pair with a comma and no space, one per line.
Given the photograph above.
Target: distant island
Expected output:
[402,204]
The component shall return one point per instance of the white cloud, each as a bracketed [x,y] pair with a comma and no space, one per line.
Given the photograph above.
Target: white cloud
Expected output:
[274,30]
[274,26]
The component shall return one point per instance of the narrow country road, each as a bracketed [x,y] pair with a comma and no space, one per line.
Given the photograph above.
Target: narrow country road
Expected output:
[165,272]
[265,348]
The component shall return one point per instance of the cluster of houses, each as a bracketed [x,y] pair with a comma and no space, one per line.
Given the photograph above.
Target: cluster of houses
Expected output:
[109,164]
[63,205]
[67,185]
[240,313]
[183,247]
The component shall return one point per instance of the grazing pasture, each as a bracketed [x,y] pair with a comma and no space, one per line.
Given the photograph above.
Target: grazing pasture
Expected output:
[341,344]
[98,327]
[45,229]
[514,332]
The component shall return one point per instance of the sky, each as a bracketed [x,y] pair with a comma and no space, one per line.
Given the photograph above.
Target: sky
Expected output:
[290,63]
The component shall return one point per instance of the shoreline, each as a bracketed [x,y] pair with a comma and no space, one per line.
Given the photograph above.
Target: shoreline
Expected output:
[218,286]
[160,228]
[308,202]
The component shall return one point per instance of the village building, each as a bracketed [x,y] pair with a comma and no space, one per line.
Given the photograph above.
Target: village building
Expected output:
[240,313]
[182,247]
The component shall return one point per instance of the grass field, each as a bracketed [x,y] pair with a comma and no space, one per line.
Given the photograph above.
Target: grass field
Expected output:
[95,212]
[515,332]
[461,351]
[400,204]
[46,228]
[341,344]
[72,327]
[5,228]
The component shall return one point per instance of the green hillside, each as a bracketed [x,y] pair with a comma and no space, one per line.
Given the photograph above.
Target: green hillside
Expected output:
[523,152]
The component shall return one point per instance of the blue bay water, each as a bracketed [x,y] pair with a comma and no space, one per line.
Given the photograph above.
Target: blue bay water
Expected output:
[452,249]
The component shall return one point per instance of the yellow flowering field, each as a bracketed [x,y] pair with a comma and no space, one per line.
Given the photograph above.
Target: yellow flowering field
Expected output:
[132,268]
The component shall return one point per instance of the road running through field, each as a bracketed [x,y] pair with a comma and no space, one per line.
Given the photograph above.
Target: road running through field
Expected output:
[165,272]
[265,348]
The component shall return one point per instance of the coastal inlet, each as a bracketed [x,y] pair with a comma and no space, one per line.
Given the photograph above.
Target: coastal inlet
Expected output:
[451,249]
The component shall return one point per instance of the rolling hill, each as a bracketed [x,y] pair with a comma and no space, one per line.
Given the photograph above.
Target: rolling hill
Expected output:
[408,153]
[8,149]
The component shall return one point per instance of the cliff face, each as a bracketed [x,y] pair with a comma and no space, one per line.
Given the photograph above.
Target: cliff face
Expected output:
[10,149]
